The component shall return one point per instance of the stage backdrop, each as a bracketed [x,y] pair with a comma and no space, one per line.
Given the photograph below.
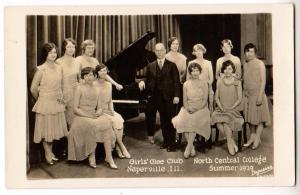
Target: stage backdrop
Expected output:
[114,33]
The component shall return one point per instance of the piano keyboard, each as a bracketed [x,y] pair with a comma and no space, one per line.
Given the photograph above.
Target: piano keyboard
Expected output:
[126,101]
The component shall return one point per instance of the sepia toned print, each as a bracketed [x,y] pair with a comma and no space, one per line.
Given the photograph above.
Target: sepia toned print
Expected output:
[210,142]
[184,96]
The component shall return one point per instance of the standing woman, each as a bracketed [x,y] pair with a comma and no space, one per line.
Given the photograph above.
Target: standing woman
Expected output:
[256,109]
[70,72]
[194,116]
[90,124]
[180,60]
[50,122]
[87,60]
[226,47]
[108,109]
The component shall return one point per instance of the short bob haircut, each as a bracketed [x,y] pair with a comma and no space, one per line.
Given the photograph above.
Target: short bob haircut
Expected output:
[228,41]
[65,43]
[197,47]
[226,64]
[194,65]
[86,71]
[47,47]
[86,43]
[171,40]
[100,67]
[250,46]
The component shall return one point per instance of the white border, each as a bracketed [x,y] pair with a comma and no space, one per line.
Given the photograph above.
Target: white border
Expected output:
[283,73]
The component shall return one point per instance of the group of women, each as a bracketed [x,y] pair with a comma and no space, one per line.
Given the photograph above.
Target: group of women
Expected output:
[239,96]
[75,94]
[74,99]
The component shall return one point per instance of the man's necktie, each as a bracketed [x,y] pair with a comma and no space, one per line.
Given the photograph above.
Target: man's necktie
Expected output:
[160,64]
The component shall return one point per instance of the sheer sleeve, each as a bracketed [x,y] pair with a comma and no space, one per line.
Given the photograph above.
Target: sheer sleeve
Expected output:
[34,89]
[188,75]
[238,66]
[210,73]
[205,89]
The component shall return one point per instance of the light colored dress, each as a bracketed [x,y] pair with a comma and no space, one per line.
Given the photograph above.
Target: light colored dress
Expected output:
[235,60]
[180,61]
[50,122]
[82,62]
[228,95]
[199,121]
[86,132]
[254,114]
[206,75]
[106,98]
[69,84]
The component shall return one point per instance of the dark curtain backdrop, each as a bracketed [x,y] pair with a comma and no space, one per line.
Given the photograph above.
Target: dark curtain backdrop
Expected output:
[111,34]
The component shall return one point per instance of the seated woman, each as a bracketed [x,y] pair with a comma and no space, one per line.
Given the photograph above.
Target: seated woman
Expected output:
[194,116]
[108,109]
[228,98]
[206,70]
[90,124]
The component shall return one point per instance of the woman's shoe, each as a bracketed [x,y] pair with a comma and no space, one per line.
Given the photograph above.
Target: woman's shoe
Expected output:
[93,165]
[54,158]
[193,152]
[49,159]
[111,165]
[186,153]
[50,162]
[230,147]
[151,139]
[256,144]
[236,149]
[126,154]
[119,152]
[250,141]
[92,160]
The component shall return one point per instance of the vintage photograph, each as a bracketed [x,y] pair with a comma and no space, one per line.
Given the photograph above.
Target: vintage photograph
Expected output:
[150,96]
[112,96]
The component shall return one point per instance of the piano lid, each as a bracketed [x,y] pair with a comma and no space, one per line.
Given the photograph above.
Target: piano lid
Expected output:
[125,64]
[137,45]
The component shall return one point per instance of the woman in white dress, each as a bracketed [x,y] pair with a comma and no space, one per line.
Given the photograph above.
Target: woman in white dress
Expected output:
[108,109]
[50,122]
[194,116]
[70,72]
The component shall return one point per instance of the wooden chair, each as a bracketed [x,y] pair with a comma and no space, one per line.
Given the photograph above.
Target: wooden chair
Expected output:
[243,132]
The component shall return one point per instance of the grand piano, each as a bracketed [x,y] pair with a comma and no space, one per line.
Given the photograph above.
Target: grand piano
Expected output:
[123,68]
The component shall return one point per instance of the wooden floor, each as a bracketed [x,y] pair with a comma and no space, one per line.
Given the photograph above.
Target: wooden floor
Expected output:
[148,160]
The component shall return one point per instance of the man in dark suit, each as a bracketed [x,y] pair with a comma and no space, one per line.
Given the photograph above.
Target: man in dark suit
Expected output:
[162,80]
